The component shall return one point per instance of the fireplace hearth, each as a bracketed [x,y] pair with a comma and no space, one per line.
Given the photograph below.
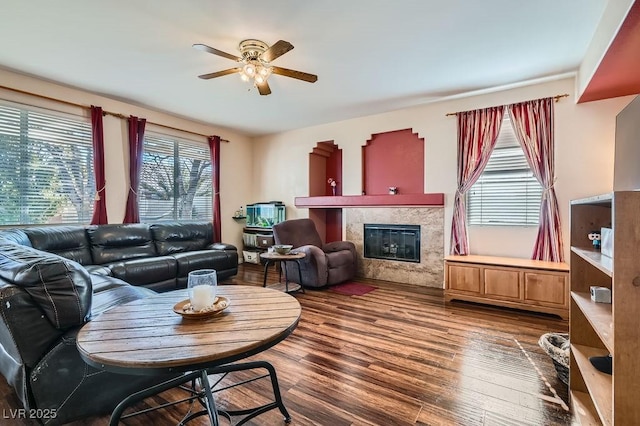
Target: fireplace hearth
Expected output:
[392,242]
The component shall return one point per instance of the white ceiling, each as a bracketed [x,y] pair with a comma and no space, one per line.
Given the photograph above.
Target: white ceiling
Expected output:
[370,56]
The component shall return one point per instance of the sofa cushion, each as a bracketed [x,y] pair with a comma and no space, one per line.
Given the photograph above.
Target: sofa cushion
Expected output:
[66,241]
[111,243]
[17,236]
[98,270]
[160,269]
[61,287]
[109,292]
[203,259]
[173,237]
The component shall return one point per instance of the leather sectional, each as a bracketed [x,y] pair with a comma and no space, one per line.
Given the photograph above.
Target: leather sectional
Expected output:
[53,279]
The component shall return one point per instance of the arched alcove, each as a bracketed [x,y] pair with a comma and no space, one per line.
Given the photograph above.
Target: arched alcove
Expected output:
[325,162]
[393,159]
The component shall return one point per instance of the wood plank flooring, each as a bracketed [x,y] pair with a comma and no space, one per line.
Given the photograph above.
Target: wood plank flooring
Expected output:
[395,356]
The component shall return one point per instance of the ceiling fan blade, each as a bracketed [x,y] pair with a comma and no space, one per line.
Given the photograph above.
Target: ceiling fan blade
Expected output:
[311,78]
[219,73]
[206,48]
[278,49]
[264,88]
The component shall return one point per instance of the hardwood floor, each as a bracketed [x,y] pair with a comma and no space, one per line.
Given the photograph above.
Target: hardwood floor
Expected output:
[395,356]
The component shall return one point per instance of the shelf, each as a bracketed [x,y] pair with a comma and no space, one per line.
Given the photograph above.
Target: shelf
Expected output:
[599,316]
[510,262]
[595,258]
[604,199]
[583,409]
[382,200]
[239,217]
[599,384]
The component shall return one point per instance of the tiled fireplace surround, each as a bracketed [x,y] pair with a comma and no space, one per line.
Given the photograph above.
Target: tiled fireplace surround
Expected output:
[429,272]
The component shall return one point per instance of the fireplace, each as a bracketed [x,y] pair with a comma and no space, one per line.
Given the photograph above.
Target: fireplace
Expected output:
[392,242]
[429,272]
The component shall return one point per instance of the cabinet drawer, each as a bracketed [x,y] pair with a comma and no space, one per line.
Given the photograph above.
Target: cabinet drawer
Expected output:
[546,289]
[503,283]
[464,278]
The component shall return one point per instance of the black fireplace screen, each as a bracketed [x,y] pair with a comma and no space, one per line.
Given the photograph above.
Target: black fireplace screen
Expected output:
[393,242]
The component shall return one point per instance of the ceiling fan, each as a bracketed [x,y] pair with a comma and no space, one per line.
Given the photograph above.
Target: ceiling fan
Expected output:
[255,63]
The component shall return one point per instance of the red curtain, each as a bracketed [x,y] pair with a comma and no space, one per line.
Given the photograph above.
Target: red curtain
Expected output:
[214,150]
[477,135]
[136,139]
[97,135]
[533,126]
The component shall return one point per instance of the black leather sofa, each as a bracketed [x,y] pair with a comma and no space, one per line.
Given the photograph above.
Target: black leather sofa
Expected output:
[53,279]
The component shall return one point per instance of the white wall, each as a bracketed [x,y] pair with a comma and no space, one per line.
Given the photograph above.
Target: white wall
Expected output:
[236,156]
[584,136]
[275,167]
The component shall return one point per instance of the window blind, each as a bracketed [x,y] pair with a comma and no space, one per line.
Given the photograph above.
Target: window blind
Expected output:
[175,181]
[46,167]
[507,193]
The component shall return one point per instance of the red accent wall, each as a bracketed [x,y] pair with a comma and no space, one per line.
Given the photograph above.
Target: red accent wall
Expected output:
[618,73]
[317,165]
[325,161]
[333,222]
[334,171]
[393,158]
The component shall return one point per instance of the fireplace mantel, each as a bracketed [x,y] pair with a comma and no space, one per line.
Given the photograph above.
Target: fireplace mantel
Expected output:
[383,200]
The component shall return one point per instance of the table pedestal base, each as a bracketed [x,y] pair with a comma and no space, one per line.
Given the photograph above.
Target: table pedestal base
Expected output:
[205,396]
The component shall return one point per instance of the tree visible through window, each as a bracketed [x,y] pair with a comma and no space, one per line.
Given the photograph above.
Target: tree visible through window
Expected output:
[46,167]
[506,193]
[175,181]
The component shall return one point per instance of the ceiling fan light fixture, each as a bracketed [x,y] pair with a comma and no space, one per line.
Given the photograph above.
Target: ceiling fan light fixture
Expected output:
[264,70]
[249,69]
[254,63]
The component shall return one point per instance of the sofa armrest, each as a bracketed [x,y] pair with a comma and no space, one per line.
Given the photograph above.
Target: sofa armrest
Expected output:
[338,246]
[25,333]
[221,246]
[314,266]
[60,287]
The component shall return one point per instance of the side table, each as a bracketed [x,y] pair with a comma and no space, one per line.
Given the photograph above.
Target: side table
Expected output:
[283,259]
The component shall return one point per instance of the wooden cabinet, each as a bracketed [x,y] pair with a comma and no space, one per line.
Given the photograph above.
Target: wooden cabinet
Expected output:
[598,329]
[515,283]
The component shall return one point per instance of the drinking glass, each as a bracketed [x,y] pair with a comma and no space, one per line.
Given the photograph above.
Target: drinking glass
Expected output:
[202,286]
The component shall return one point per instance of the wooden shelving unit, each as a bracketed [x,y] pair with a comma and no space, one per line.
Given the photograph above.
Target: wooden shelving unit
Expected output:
[598,329]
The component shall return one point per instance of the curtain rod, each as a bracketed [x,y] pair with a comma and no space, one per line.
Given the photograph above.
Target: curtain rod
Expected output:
[114,114]
[555,98]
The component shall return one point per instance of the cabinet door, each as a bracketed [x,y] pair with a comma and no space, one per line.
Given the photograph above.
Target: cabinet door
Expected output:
[546,289]
[463,278]
[502,283]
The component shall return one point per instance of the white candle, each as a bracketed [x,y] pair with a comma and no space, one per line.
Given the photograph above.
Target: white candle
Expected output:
[202,296]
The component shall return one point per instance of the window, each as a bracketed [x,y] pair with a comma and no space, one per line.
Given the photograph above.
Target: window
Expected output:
[506,193]
[46,167]
[175,181]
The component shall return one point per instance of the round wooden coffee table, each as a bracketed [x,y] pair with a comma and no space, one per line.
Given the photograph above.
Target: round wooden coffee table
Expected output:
[145,337]
[283,259]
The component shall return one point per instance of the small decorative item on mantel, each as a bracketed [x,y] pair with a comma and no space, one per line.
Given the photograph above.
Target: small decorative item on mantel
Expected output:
[333,184]
[393,190]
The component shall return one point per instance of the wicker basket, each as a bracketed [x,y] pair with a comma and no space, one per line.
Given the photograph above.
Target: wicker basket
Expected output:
[556,345]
